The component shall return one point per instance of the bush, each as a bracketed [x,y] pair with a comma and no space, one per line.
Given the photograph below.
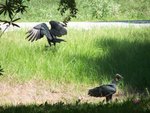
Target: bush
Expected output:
[102,9]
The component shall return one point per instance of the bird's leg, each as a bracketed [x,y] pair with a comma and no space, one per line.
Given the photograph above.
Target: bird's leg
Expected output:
[54,43]
[50,44]
[49,41]
[108,98]
[53,39]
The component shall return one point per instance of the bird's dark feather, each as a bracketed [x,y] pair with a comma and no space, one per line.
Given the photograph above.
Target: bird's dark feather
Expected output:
[106,90]
[38,31]
[57,29]
[102,91]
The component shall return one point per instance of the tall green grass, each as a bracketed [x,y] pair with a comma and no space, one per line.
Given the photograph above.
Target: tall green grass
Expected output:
[95,10]
[88,56]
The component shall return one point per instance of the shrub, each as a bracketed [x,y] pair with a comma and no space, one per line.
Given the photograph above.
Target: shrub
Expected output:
[102,9]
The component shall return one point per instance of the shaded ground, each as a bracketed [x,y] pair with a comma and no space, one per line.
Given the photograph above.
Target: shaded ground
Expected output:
[128,106]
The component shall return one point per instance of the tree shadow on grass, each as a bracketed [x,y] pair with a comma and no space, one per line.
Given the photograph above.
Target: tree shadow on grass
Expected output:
[129,58]
[116,107]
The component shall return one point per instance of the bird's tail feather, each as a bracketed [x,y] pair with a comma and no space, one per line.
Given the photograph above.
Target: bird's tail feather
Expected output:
[57,40]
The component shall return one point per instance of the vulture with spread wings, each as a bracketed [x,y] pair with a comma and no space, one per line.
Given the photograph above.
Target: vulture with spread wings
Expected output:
[41,30]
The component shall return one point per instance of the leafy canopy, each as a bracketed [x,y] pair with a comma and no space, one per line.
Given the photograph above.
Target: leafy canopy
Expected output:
[12,7]
[70,5]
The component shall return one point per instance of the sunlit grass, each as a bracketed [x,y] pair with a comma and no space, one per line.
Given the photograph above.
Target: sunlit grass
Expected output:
[88,56]
[104,10]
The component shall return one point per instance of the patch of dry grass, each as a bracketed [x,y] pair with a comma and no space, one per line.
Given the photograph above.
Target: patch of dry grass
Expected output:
[41,91]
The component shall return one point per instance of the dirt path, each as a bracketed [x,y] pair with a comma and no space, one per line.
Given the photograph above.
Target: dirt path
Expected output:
[87,25]
[38,91]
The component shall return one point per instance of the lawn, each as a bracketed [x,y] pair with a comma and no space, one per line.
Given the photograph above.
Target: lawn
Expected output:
[88,58]
[39,79]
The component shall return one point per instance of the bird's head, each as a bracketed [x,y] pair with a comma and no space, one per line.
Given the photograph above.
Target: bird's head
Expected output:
[64,24]
[53,23]
[56,23]
[118,77]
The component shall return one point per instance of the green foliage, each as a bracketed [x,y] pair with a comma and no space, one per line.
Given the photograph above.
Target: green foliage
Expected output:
[113,9]
[102,9]
[134,9]
[92,56]
[11,8]
[65,5]
[95,10]
[127,106]
[86,10]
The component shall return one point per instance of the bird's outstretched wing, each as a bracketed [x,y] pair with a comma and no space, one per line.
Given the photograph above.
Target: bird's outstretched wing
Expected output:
[38,31]
[57,28]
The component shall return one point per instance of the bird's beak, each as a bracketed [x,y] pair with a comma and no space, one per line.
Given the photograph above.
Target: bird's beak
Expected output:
[64,24]
[121,77]
[118,76]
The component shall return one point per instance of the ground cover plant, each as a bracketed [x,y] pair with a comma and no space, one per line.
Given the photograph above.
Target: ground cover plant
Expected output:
[35,78]
[125,107]
[95,10]
[88,58]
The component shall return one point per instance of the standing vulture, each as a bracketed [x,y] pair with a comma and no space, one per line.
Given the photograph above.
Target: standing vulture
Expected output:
[106,90]
[38,31]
